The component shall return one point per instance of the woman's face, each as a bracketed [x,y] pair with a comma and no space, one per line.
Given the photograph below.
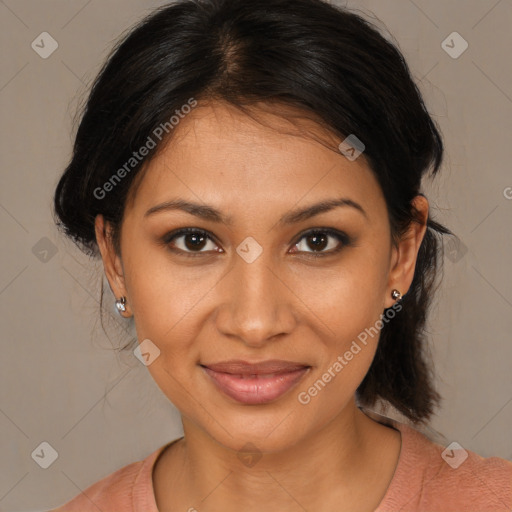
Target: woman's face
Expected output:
[251,282]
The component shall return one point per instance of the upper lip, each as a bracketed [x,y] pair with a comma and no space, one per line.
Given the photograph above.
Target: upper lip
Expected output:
[240,367]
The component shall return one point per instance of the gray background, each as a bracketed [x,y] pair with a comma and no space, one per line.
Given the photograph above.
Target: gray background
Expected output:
[61,381]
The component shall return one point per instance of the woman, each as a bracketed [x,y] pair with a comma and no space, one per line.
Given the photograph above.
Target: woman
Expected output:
[250,173]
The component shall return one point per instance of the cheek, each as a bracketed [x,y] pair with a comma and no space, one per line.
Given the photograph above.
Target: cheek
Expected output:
[350,310]
[167,311]
[162,294]
[162,305]
[348,299]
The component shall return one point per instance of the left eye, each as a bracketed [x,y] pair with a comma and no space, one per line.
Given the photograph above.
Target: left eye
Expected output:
[319,241]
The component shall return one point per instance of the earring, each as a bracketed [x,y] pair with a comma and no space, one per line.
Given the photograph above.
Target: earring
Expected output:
[395,294]
[121,304]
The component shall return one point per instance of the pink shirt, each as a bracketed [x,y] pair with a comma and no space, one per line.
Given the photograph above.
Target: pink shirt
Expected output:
[423,481]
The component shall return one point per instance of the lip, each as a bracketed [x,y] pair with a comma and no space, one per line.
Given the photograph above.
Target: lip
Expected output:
[255,383]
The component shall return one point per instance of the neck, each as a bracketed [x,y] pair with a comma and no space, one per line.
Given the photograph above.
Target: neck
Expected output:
[343,463]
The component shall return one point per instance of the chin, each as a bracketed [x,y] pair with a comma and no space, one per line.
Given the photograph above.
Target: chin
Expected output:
[270,427]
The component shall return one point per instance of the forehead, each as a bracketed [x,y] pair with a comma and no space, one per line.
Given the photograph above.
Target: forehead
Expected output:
[272,158]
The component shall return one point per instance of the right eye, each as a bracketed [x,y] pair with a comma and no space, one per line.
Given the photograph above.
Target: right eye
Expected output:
[188,241]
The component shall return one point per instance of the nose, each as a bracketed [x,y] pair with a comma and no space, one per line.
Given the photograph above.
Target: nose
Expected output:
[256,304]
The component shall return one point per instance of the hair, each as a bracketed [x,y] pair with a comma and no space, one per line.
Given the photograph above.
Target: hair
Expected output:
[325,61]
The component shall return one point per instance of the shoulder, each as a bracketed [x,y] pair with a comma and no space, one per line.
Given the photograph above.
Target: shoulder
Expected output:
[113,490]
[129,488]
[432,477]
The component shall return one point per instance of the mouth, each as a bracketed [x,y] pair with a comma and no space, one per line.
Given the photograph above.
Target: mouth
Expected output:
[257,383]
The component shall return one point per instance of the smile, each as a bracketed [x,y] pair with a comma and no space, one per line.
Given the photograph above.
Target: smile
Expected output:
[254,384]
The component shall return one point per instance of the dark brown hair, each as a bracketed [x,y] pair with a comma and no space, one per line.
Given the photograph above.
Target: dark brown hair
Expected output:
[324,60]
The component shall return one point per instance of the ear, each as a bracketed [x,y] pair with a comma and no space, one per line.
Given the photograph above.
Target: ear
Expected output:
[404,256]
[112,263]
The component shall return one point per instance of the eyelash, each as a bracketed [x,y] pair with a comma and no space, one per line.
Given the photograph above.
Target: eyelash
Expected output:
[341,237]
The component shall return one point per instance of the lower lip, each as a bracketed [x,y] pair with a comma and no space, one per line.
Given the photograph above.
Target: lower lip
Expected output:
[256,390]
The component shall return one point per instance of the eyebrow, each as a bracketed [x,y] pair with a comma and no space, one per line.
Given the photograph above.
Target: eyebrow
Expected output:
[210,213]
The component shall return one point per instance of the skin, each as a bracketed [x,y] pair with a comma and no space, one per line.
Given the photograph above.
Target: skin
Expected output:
[214,306]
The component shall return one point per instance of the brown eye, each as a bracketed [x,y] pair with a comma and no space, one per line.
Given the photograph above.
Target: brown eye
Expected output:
[194,241]
[317,242]
[322,242]
[190,241]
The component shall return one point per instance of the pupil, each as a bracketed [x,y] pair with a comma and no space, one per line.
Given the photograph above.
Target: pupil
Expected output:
[319,241]
[197,243]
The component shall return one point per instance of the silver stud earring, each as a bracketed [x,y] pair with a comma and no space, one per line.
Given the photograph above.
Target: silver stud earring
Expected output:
[395,294]
[121,304]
